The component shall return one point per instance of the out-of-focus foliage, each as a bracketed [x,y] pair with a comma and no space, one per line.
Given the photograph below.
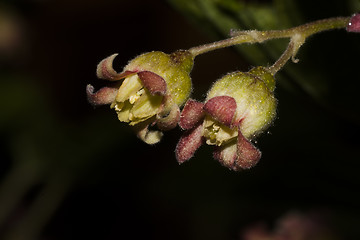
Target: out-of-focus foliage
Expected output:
[218,18]
[325,81]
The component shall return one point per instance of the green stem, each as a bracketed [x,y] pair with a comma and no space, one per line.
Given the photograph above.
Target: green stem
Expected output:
[290,52]
[297,35]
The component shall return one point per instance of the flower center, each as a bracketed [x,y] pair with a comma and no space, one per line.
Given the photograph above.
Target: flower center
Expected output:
[134,103]
[217,133]
[134,98]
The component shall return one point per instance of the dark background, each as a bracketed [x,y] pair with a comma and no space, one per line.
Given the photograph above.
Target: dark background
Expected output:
[69,171]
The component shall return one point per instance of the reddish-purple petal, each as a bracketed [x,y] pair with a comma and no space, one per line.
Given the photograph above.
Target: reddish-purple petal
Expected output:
[106,71]
[105,95]
[248,154]
[354,23]
[227,156]
[189,143]
[153,82]
[191,114]
[221,108]
[171,120]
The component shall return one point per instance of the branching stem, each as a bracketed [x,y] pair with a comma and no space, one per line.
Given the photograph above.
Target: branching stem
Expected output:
[297,37]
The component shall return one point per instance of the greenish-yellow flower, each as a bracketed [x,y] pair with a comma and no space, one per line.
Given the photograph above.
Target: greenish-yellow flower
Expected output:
[154,86]
[238,107]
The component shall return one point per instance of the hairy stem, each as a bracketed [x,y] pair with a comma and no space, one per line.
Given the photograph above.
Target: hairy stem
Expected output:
[297,34]
[290,52]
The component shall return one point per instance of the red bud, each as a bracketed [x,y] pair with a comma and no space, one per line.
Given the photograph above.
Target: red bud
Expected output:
[354,23]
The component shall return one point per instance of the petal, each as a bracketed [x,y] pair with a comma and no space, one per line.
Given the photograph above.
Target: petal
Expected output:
[106,71]
[153,82]
[149,137]
[167,105]
[171,120]
[221,108]
[145,107]
[189,143]
[248,154]
[227,156]
[191,114]
[354,23]
[129,87]
[105,95]
[123,111]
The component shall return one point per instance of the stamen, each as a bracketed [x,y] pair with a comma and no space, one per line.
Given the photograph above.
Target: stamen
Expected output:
[118,106]
[134,98]
[216,127]
[211,133]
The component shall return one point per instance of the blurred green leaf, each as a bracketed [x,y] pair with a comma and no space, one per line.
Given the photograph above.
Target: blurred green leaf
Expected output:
[309,77]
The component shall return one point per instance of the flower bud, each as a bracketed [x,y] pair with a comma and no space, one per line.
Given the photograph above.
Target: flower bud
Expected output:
[154,85]
[354,23]
[238,107]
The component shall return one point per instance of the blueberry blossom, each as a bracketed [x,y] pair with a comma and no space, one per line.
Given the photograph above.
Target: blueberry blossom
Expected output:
[154,86]
[238,107]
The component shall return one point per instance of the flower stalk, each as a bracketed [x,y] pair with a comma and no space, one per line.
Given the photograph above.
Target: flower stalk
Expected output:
[154,86]
[297,37]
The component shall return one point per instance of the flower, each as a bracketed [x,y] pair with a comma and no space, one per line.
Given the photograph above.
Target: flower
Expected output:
[154,86]
[238,108]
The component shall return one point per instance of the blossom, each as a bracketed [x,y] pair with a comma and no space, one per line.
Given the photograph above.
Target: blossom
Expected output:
[238,108]
[154,86]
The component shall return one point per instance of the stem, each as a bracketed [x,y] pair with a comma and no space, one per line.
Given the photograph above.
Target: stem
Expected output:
[254,36]
[290,52]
